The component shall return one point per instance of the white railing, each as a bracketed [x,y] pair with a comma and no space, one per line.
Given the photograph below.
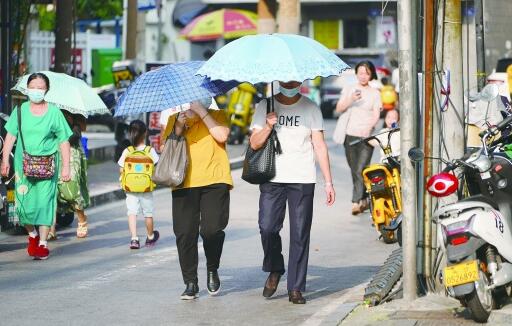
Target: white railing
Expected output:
[40,45]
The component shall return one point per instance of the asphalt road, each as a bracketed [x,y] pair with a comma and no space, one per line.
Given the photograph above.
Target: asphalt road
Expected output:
[100,281]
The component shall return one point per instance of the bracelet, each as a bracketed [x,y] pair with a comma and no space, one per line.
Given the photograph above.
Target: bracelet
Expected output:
[327,184]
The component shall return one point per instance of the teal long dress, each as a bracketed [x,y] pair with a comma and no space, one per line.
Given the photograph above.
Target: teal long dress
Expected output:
[36,200]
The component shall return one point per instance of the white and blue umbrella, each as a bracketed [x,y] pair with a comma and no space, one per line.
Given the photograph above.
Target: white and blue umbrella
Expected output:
[168,87]
[269,57]
[68,93]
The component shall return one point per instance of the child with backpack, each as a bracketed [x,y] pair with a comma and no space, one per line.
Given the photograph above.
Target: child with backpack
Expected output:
[137,163]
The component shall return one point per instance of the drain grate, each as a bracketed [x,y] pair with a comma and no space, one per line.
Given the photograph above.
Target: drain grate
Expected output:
[385,280]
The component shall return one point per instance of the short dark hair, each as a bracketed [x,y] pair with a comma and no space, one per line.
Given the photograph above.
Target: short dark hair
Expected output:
[369,66]
[137,132]
[39,75]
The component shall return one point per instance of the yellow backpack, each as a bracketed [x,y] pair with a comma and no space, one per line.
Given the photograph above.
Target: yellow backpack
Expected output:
[137,170]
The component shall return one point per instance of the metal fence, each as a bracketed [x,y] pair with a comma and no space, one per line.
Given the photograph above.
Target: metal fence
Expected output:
[41,46]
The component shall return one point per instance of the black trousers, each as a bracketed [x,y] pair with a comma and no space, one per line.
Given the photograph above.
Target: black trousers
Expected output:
[358,157]
[204,211]
[273,200]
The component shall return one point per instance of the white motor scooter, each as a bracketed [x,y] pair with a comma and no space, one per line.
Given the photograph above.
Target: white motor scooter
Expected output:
[476,231]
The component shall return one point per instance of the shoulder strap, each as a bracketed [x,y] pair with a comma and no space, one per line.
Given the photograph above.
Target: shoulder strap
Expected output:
[174,125]
[147,149]
[131,149]
[19,126]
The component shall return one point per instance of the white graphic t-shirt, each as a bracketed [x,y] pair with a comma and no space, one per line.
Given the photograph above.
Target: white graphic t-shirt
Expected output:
[294,126]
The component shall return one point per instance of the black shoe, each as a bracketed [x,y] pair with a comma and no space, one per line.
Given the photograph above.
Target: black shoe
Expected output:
[271,284]
[213,283]
[134,244]
[191,292]
[296,297]
[156,236]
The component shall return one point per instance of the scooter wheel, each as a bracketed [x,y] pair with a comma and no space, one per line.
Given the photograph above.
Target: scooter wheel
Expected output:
[387,236]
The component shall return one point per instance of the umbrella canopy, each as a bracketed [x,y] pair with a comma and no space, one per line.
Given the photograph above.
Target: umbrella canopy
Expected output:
[226,23]
[266,58]
[68,93]
[167,87]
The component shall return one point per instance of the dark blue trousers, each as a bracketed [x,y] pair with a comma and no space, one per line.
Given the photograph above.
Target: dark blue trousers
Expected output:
[272,212]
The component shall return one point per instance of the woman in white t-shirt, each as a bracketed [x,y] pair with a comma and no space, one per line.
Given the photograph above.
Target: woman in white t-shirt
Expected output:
[299,125]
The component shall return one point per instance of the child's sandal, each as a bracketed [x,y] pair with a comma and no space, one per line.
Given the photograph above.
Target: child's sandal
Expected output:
[51,236]
[81,230]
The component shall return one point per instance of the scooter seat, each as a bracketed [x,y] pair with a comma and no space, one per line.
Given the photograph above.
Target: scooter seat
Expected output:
[482,198]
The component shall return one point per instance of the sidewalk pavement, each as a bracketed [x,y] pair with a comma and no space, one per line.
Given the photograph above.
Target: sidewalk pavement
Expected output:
[104,183]
[432,309]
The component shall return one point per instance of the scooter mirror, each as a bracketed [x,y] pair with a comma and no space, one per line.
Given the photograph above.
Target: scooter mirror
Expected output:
[416,154]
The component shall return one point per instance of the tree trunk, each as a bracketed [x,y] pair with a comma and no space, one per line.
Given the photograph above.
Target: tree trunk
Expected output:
[267,16]
[131,30]
[63,29]
[288,17]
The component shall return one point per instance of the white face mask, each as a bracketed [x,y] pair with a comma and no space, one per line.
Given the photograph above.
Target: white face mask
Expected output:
[36,95]
[289,92]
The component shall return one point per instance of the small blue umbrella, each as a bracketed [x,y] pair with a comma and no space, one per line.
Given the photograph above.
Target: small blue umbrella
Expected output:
[269,57]
[167,87]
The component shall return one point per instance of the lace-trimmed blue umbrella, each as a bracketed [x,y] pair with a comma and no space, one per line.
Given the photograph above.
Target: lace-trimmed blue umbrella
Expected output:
[167,87]
[269,57]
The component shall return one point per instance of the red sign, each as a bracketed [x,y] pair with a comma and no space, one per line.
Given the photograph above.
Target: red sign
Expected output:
[154,121]
[154,141]
[77,53]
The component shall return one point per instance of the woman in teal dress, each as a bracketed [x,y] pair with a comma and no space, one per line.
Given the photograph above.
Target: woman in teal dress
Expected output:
[44,131]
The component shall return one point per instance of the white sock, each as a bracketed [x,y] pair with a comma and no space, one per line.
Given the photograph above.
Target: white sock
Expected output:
[135,238]
[43,243]
[151,237]
[32,234]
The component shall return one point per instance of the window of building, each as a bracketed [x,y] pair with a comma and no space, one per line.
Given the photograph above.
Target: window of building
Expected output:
[355,33]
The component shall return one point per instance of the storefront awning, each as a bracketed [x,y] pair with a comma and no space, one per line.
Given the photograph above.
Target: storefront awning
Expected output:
[186,10]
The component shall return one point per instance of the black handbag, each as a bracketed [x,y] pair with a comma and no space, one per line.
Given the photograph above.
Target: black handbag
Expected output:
[260,165]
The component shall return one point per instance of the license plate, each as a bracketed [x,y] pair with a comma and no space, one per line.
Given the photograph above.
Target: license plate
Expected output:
[10,196]
[461,273]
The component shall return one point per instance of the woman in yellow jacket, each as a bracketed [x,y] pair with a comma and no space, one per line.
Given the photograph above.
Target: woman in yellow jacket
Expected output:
[200,206]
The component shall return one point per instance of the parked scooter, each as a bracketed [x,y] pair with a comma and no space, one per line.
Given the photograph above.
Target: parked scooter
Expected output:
[382,183]
[240,110]
[476,231]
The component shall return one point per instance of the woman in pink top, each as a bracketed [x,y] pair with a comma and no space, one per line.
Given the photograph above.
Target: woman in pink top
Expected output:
[360,105]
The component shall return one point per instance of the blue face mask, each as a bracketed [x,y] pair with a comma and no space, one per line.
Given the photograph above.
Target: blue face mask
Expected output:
[289,92]
[36,95]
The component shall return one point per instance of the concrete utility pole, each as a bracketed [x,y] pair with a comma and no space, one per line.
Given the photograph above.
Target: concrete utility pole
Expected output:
[453,130]
[130,29]
[63,30]
[407,124]
[288,17]
[480,44]
[267,16]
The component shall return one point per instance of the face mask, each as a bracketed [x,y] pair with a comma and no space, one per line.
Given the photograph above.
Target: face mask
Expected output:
[36,95]
[289,92]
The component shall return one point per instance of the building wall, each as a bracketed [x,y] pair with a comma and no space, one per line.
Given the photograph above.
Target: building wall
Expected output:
[498,31]
[173,48]
[347,12]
